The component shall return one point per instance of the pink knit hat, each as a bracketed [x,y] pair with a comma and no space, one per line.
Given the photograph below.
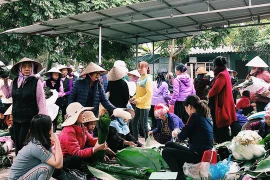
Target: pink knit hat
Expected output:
[160,110]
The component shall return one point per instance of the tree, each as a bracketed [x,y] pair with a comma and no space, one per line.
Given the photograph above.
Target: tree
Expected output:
[251,39]
[62,48]
[179,48]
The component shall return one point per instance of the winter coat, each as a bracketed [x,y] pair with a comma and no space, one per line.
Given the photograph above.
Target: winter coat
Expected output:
[221,91]
[173,122]
[244,102]
[263,128]
[76,141]
[182,88]
[161,94]
[79,94]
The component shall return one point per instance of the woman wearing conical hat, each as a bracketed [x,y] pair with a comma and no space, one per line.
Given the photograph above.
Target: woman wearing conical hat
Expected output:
[201,83]
[117,87]
[28,97]
[89,92]
[54,82]
[257,70]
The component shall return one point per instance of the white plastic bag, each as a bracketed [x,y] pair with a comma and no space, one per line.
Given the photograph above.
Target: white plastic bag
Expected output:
[232,174]
[197,171]
[151,142]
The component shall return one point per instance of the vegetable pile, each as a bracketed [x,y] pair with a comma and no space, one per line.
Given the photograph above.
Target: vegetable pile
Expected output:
[245,146]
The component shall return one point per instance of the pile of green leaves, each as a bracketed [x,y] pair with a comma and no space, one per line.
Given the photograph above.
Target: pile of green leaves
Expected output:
[103,125]
[141,157]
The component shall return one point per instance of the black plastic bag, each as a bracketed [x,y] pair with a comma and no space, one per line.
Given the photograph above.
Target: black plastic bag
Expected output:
[74,174]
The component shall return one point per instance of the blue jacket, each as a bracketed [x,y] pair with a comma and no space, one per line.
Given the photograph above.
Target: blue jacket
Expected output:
[79,94]
[264,129]
[199,130]
[173,122]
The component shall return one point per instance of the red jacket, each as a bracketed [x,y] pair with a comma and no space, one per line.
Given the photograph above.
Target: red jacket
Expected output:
[224,103]
[244,102]
[76,141]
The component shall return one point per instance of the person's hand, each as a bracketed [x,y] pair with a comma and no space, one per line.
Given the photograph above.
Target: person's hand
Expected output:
[130,143]
[150,133]
[266,93]
[54,139]
[253,104]
[106,158]
[5,81]
[175,132]
[99,147]
[109,151]
[133,101]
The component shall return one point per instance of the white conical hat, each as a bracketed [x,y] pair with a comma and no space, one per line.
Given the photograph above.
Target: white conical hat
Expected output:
[92,67]
[257,62]
[116,73]
[135,73]
[52,70]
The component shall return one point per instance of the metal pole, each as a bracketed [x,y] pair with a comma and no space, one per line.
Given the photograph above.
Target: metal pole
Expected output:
[136,51]
[153,60]
[100,44]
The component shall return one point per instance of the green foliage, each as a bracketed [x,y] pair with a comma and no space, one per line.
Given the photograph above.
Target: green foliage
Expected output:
[141,157]
[62,48]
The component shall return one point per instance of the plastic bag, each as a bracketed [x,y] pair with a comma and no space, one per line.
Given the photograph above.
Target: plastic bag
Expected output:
[219,170]
[151,142]
[231,174]
[197,171]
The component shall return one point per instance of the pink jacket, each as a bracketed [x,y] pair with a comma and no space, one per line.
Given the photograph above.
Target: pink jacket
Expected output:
[40,96]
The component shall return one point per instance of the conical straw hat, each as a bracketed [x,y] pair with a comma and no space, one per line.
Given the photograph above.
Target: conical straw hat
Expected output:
[201,70]
[92,67]
[15,69]
[257,62]
[52,70]
[135,73]
[116,73]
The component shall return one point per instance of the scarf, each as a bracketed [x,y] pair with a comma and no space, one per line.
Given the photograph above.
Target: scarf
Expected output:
[22,78]
[259,71]
[120,126]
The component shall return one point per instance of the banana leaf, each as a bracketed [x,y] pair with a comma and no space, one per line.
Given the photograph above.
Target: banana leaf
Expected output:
[100,174]
[103,125]
[262,170]
[141,157]
[264,140]
[143,173]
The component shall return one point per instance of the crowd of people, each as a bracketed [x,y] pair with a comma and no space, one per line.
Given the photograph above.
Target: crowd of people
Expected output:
[201,110]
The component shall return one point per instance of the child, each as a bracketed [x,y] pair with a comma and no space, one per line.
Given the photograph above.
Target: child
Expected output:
[244,103]
[90,121]
[36,160]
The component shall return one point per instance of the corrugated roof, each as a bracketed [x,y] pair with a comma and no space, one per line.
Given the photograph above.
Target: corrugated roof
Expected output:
[154,20]
[223,49]
[7,1]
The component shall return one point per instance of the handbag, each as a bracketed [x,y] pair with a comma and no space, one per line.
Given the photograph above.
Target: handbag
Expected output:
[74,174]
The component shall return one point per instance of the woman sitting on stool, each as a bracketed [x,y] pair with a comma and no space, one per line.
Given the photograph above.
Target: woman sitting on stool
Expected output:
[166,123]
[198,130]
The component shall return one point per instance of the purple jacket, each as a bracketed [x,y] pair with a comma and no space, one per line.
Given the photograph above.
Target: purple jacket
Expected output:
[182,88]
[173,122]
[161,94]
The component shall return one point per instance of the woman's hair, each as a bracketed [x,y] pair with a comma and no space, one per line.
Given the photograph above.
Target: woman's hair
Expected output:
[200,106]
[161,76]
[160,110]
[40,130]
[246,93]
[181,67]
[220,61]
[143,64]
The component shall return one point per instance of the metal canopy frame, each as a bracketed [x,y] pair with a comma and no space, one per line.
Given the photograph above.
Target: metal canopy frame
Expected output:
[153,20]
